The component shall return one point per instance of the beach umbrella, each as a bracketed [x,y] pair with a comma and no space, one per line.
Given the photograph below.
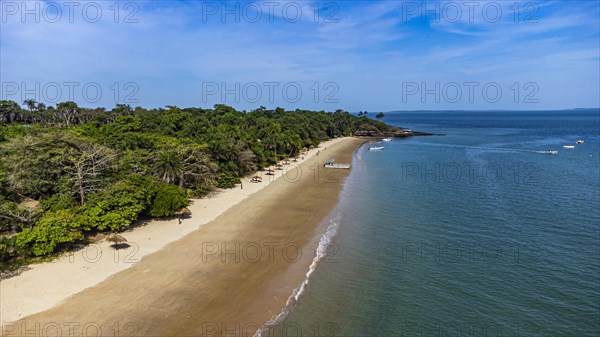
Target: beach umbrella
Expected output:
[270,172]
[183,211]
[279,166]
[116,239]
[256,179]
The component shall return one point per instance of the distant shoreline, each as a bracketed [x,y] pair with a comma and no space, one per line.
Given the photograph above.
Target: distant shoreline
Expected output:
[493,110]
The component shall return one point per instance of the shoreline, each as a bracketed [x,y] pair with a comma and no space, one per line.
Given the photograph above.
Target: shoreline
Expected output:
[31,298]
[322,240]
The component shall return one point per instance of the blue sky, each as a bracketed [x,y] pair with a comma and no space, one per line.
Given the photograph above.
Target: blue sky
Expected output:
[353,55]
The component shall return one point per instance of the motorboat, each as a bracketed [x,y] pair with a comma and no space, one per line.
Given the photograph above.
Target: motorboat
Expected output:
[568,146]
[387,139]
[579,141]
[376,148]
[551,152]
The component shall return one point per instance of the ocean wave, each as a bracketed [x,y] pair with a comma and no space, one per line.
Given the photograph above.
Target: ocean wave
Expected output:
[320,254]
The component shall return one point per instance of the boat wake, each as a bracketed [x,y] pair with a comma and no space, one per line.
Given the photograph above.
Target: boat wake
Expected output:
[320,254]
[485,148]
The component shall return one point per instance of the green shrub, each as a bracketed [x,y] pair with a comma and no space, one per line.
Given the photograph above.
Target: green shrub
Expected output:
[168,200]
[8,248]
[115,208]
[2,180]
[52,230]
[161,199]
[2,132]
[228,181]
[58,201]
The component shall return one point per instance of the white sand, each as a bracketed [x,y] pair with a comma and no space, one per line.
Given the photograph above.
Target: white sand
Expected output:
[47,284]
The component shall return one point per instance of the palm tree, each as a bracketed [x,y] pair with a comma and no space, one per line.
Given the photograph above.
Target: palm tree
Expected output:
[168,165]
[273,131]
[30,102]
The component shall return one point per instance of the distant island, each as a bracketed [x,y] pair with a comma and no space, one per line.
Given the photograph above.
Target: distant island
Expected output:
[68,172]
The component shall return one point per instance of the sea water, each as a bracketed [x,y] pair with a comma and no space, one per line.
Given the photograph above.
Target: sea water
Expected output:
[474,233]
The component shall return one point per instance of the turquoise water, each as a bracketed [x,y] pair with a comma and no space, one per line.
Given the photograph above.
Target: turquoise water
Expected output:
[475,233]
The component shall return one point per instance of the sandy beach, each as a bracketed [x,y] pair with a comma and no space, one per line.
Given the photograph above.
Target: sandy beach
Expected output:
[227,269]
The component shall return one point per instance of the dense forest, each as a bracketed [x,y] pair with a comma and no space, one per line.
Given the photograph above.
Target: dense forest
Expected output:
[67,172]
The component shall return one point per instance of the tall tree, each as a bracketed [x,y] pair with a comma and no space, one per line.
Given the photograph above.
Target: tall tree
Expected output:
[187,165]
[30,103]
[33,164]
[14,217]
[169,165]
[9,111]
[67,112]
[197,168]
[88,165]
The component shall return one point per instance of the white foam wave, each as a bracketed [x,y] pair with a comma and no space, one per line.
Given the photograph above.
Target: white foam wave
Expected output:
[320,254]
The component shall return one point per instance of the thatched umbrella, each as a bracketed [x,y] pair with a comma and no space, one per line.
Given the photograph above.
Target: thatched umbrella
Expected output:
[279,167]
[256,179]
[183,212]
[270,172]
[116,239]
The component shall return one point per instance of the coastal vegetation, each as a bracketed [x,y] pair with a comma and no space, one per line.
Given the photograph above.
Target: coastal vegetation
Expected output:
[68,172]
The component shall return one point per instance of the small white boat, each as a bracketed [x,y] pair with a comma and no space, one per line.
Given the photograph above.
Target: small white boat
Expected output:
[569,146]
[387,139]
[376,148]
[579,141]
[331,165]
[551,152]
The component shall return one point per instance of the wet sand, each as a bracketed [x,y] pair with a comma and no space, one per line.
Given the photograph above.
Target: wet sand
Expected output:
[226,278]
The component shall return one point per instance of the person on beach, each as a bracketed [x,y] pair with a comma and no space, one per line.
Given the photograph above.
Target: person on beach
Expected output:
[241,185]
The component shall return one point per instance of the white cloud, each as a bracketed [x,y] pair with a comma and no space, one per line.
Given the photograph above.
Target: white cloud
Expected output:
[372,48]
